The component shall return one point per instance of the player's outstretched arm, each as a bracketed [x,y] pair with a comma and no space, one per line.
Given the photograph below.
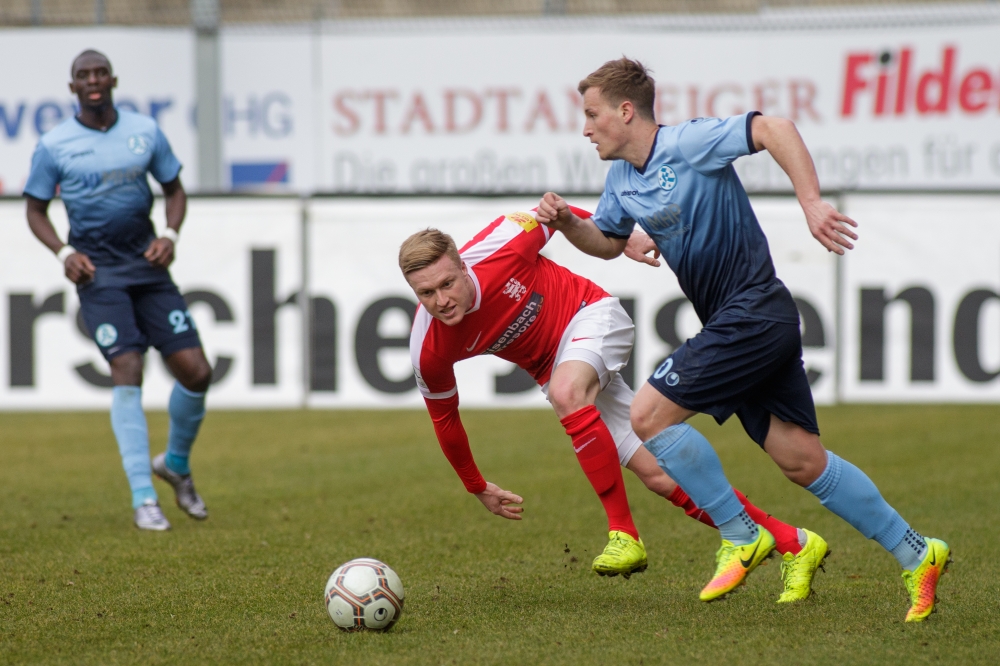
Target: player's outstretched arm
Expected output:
[161,251]
[77,266]
[779,137]
[501,502]
[554,212]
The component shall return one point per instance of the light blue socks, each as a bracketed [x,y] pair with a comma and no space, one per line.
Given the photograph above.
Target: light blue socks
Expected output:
[684,454]
[848,492]
[129,424]
[187,409]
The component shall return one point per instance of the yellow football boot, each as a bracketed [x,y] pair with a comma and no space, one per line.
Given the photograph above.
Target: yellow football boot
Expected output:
[922,582]
[797,570]
[623,555]
[733,563]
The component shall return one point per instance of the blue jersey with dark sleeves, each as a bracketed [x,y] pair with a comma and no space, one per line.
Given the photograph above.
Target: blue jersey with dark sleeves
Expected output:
[689,200]
[102,181]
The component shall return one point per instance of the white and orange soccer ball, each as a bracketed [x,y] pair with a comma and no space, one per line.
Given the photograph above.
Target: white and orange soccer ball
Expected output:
[364,594]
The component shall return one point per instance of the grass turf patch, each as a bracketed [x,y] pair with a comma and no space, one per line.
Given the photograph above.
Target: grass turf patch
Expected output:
[292,495]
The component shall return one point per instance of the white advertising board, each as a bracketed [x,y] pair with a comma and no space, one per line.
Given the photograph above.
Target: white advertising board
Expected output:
[237,260]
[468,109]
[921,314]
[155,70]
[361,357]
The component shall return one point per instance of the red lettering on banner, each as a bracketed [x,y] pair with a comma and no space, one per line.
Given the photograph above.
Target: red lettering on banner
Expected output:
[575,109]
[974,92]
[475,102]
[666,103]
[716,92]
[940,80]
[502,96]
[417,111]
[937,90]
[380,96]
[541,109]
[903,80]
[346,113]
[854,82]
[765,96]
[802,93]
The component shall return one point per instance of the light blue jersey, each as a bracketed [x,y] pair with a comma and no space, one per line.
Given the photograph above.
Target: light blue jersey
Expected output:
[688,198]
[101,177]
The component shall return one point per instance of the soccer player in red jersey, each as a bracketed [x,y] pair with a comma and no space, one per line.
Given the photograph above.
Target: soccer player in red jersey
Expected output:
[497,295]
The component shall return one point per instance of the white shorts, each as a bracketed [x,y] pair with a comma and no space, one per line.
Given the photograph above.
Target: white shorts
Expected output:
[601,335]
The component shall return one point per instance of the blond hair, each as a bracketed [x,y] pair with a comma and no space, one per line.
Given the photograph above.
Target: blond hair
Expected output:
[624,80]
[424,248]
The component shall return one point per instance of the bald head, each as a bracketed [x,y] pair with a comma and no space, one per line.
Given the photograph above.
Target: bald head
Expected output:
[89,59]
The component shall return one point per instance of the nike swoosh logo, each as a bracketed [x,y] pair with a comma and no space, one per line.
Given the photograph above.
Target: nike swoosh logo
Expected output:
[933,557]
[746,562]
[473,345]
[584,445]
[575,339]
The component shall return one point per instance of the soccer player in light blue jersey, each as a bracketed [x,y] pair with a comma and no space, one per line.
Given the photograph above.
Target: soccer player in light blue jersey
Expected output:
[678,184]
[98,160]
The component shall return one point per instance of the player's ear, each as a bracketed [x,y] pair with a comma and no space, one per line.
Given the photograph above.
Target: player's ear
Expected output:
[626,110]
[114,81]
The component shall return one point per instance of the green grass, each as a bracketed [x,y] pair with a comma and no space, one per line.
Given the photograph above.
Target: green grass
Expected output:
[294,494]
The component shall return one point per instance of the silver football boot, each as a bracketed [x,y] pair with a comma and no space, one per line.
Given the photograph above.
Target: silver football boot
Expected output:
[149,517]
[187,497]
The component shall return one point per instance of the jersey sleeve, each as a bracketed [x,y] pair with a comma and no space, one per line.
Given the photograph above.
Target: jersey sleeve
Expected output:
[454,441]
[709,144]
[610,218]
[44,175]
[164,166]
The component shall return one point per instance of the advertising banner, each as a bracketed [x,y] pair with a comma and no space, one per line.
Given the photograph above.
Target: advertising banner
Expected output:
[362,306]
[155,70]
[921,310]
[475,110]
[238,265]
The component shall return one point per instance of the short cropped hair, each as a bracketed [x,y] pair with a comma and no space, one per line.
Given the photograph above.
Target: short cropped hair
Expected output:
[89,52]
[424,248]
[624,80]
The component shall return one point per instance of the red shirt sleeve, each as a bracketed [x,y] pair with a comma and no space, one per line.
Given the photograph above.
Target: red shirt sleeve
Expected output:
[455,442]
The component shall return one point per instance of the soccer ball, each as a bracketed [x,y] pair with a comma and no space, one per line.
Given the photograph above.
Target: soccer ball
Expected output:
[364,594]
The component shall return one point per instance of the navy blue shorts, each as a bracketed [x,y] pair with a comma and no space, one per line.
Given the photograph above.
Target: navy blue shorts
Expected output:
[132,318]
[748,367]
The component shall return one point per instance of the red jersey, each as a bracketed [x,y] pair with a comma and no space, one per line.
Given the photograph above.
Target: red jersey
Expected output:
[524,302]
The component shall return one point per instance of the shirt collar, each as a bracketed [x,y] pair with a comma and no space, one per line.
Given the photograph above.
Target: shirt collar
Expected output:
[651,150]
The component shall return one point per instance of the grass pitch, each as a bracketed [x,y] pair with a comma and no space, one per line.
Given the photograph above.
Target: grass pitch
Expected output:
[294,494]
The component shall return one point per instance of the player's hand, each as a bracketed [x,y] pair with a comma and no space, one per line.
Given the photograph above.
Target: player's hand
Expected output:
[639,245]
[829,226]
[553,211]
[79,268]
[501,502]
[160,252]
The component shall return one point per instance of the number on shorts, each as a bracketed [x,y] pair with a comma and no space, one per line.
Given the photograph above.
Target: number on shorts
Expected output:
[179,320]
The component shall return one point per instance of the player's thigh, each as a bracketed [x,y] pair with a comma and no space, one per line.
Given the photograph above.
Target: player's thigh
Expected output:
[163,315]
[786,395]
[614,403]
[110,318]
[600,335]
[725,365]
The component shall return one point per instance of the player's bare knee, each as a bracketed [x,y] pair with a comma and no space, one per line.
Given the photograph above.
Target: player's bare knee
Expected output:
[126,369]
[567,398]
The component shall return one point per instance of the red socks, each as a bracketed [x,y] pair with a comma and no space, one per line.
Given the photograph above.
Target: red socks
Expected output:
[786,537]
[595,449]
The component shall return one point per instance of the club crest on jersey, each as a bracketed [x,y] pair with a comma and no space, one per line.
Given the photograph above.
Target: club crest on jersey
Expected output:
[668,179]
[138,144]
[105,335]
[526,221]
[514,289]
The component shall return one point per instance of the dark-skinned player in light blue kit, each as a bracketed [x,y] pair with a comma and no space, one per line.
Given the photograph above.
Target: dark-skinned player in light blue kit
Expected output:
[678,184]
[97,162]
